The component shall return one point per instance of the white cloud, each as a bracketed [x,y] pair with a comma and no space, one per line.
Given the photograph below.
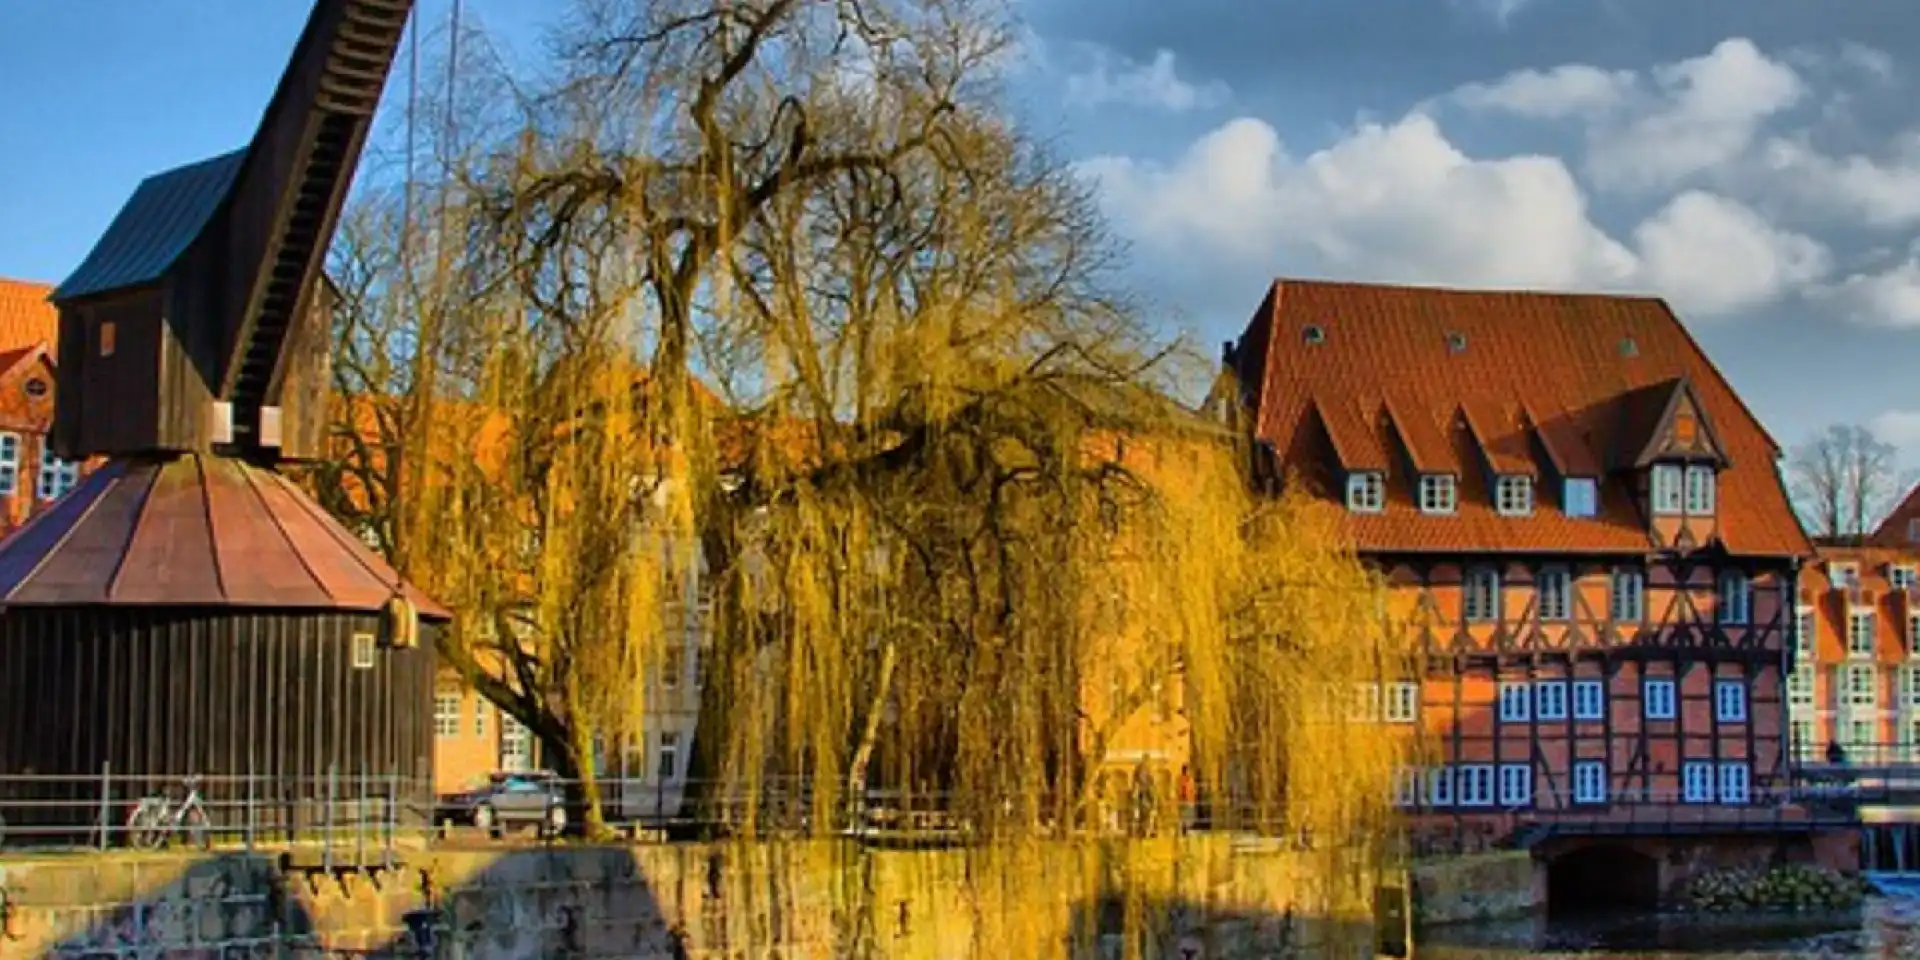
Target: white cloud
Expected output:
[1886,298]
[1652,130]
[1114,79]
[1900,428]
[1573,90]
[1712,255]
[1882,192]
[1399,202]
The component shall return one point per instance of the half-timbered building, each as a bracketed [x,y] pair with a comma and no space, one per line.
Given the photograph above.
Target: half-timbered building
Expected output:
[1853,686]
[1583,528]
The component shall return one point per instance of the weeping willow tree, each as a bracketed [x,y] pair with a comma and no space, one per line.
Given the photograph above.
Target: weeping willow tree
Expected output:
[775,296]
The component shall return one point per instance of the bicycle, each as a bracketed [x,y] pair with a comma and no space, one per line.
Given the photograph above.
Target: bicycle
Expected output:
[156,818]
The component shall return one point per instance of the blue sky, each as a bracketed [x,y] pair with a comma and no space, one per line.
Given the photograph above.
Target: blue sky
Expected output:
[1757,162]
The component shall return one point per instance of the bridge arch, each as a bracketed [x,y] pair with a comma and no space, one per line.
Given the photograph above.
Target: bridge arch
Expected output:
[1601,877]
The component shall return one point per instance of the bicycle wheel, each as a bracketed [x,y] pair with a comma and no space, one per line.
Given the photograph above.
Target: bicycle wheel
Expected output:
[194,823]
[144,825]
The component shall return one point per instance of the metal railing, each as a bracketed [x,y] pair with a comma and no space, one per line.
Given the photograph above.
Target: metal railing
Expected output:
[1787,809]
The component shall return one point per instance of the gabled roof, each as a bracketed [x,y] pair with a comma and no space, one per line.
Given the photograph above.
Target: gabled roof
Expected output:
[164,215]
[1549,384]
[26,318]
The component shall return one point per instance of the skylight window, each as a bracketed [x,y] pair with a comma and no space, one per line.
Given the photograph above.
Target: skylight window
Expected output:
[1366,491]
[1513,495]
[1439,493]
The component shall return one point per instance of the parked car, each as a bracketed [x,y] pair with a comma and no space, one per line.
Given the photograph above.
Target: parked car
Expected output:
[511,800]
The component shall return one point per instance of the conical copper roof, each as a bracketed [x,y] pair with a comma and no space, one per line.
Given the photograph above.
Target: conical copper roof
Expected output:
[194,530]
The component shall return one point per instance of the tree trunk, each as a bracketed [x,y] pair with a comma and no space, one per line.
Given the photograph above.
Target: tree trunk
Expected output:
[870,733]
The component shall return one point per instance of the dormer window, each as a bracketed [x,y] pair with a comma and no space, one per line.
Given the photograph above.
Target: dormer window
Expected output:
[1582,497]
[1700,492]
[1900,575]
[1843,576]
[1366,491]
[1668,480]
[1439,493]
[1513,495]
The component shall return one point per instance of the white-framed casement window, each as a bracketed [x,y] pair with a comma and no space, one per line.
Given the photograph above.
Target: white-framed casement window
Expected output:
[1700,490]
[480,706]
[1900,576]
[1805,745]
[1474,784]
[1696,781]
[1552,699]
[1735,596]
[1909,709]
[1516,784]
[673,663]
[1515,702]
[516,745]
[1667,481]
[1513,495]
[1366,491]
[1736,781]
[1589,781]
[1589,700]
[446,714]
[1657,699]
[1440,787]
[1402,702]
[1628,602]
[1913,635]
[1806,637]
[1843,576]
[1554,593]
[1482,595]
[9,464]
[1860,625]
[1860,704]
[1365,707]
[1800,688]
[1406,787]
[1730,701]
[1581,497]
[57,476]
[1439,493]
[668,767]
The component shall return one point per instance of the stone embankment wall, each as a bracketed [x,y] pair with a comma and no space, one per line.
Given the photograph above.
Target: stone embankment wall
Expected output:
[1188,898]
[1476,888]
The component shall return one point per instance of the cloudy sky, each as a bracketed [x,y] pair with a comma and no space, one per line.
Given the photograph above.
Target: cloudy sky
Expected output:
[1755,161]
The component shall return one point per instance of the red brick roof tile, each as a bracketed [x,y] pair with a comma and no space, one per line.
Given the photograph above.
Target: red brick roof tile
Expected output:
[1550,383]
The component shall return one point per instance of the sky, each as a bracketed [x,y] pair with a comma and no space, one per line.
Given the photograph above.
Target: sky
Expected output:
[1755,162]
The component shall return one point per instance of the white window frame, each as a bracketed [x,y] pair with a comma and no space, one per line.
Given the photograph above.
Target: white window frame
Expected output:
[1735,782]
[516,745]
[1667,493]
[1550,698]
[1900,576]
[1589,781]
[9,463]
[1440,787]
[446,714]
[1513,495]
[1401,703]
[1587,503]
[1516,784]
[1516,702]
[1439,493]
[365,651]
[1808,630]
[1734,598]
[1589,700]
[1913,634]
[1843,575]
[1406,786]
[1800,687]
[1627,595]
[1659,699]
[480,706]
[1861,628]
[1909,687]
[1474,786]
[667,761]
[1803,738]
[1697,781]
[1481,580]
[1730,701]
[1366,491]
[1700,490]
[57,476]
[1859,688]
[1365,707]
[1555,585]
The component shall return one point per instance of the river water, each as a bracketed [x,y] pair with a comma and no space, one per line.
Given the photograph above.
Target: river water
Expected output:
[1884,928]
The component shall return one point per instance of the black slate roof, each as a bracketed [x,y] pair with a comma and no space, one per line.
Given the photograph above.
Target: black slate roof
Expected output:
[163,216]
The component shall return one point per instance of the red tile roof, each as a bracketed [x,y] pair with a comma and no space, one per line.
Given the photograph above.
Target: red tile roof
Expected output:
[26,318]
[1345,376]
[1899,529]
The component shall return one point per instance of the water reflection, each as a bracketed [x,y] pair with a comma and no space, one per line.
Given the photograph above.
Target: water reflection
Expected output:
[1883,928]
